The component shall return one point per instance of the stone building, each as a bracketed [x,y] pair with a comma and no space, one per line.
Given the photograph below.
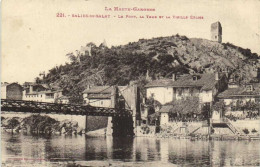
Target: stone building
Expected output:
[216,32]
[12,91]
[85,50]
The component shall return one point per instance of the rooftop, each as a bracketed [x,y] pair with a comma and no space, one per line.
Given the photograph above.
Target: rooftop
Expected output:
[241,91]
[99,96]
[6,84]
[184,106]
[204,81]
[99,89]
[43,92]
[29,83]
[63,97]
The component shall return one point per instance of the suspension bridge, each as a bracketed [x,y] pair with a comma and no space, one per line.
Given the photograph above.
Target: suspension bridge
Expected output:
[67,109]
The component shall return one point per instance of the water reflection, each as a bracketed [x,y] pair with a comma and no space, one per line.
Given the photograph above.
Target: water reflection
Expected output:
[42,149]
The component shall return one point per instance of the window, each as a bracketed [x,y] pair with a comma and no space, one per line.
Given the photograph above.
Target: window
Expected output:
[152,94]
[49,96]
[191,91]
[179,92]
[249,87]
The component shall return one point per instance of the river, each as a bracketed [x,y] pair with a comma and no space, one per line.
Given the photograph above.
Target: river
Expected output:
[55,150]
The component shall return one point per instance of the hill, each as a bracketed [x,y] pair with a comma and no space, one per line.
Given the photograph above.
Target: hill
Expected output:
[161,56]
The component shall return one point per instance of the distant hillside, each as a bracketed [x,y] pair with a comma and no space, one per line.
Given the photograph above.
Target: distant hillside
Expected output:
[161,56]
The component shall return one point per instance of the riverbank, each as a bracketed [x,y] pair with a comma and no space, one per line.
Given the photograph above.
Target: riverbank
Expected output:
[40,124]
[203,137]
[239,130]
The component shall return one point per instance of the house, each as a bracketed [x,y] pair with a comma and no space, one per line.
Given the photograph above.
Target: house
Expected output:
[241,106]
[40,93]
[11,91]
[195,92]
[164,113]
[242,102]
[49,96]
[99,96]
[245,93]
[204,86]
[34,87]
[63,100]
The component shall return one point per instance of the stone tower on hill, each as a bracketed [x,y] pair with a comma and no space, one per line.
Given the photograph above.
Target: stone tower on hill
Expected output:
[216,32]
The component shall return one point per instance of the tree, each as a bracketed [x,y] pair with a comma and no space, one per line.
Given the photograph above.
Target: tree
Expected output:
[219,106]
[12,123]
[37,80]
[71,57]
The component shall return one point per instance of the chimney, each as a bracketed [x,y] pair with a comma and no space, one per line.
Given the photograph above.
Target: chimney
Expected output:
[216,76]
[147,76]
[174,77]
[88,86]
[31,89]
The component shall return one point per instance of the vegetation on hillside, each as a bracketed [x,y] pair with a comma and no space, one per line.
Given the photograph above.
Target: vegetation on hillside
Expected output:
[161,56]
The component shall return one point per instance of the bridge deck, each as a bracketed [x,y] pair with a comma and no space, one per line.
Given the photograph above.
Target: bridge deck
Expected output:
[70,109]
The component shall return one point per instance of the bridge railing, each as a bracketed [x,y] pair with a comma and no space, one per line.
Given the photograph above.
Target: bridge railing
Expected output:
[73,109]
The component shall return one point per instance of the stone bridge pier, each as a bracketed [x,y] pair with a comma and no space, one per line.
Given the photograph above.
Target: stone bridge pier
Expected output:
[124,126]
[120,127]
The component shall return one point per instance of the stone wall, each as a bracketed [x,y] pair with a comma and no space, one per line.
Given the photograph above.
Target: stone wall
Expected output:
[184,128]
[249,124]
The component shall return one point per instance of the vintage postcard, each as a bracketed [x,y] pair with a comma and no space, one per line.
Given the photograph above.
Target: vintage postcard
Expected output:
[130,83]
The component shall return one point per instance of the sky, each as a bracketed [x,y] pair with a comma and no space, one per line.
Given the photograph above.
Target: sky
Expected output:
[33,39]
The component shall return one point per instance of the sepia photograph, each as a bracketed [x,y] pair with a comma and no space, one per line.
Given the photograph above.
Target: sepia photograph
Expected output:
[156,83]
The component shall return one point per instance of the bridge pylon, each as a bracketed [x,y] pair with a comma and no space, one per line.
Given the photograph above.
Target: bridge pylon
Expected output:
[124,126]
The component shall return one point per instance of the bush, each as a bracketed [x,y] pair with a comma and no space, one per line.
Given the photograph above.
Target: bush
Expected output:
[246,131]
[145,129]
[254,131]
